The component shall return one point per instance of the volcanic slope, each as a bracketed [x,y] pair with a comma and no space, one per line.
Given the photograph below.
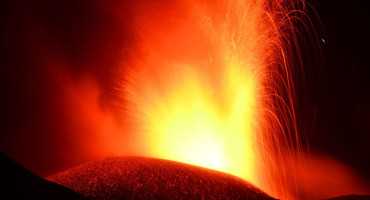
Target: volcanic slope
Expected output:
[149,178]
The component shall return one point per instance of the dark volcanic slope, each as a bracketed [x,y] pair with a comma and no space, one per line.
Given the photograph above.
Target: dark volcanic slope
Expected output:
[148,178]
[352,197]
[16,182]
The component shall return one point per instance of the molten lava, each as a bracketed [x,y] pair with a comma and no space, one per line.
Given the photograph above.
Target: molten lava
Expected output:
[207,83]
[211,83]
[195,124]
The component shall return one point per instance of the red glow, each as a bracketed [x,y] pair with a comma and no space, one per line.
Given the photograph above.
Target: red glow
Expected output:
[203,82]
[205,85]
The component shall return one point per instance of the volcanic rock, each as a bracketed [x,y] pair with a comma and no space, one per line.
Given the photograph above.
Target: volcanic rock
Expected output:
[149,178]
[16,182]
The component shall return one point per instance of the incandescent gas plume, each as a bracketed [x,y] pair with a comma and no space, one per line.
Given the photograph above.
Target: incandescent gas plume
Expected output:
[212,83]
[209,83]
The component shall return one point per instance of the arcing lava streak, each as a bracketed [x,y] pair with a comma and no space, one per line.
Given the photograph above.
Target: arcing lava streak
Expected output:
[209,83]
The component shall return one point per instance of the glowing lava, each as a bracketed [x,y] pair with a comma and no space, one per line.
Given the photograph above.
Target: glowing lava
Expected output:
[205,85]
[198,124]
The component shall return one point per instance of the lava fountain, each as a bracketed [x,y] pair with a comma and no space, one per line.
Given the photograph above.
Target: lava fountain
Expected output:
[209,83]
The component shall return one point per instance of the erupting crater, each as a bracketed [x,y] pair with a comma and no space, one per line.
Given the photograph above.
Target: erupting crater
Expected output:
[148,178]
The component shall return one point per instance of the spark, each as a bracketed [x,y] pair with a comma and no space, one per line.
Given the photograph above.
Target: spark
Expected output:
[209,84]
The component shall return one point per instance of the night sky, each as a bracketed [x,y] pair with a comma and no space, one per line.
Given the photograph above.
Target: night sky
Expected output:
[340,88]
[41,41]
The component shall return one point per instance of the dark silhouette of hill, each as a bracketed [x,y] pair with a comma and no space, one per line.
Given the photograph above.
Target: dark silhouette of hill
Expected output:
[16,182]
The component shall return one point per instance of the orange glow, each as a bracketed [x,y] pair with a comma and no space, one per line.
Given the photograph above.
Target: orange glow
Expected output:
[193,124]
[208,84]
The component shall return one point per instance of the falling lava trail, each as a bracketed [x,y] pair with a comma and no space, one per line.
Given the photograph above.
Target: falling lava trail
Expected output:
[209,83]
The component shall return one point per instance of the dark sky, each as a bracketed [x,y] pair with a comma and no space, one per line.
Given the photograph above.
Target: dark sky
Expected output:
[334,99]
[340,89]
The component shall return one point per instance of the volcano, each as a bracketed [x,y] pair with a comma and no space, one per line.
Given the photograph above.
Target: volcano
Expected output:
[150,178]
[130,178]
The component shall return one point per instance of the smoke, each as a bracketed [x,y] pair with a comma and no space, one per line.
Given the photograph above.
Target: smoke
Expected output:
[56,75]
